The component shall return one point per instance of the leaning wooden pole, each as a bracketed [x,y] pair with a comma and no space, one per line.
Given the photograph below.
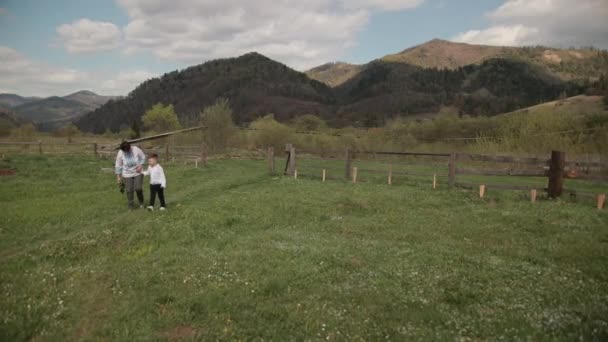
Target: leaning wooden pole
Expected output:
[164,135]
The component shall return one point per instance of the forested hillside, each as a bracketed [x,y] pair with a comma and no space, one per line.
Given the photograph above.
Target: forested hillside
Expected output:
[256,86]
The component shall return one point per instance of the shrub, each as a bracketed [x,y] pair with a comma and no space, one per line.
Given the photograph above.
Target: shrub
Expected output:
[219,127]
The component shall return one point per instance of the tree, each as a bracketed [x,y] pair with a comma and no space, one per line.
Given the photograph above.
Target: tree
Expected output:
[219,127]
[136,130]
[71,131]
[161,118]
[309,122]
[25,132]
[269,132]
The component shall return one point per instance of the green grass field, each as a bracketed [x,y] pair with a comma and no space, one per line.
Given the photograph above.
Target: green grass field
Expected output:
[246,256]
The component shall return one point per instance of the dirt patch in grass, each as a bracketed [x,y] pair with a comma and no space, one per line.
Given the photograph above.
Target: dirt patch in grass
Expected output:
[180,333]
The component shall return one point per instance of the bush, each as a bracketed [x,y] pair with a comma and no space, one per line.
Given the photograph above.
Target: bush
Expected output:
[219,127]
[160,118]
[270,132]
[25,132]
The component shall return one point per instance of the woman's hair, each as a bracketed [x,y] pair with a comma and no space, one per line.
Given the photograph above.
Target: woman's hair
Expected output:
[125,146]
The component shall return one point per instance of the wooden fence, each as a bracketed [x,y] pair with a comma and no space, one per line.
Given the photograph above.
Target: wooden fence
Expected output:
[462,170]
[194,154]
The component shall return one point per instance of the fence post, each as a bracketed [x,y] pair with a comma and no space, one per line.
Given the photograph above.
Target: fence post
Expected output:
[533,195]
[601,199]
[167,152]
[556,174]
[390,173]
[39,146]
[482,191]
[355,175]
[270,157]
[204,154]
[292,160]
[348,163]
[95,150]
[452,170]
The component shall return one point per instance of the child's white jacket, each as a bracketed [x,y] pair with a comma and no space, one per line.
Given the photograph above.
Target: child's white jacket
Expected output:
[157,175]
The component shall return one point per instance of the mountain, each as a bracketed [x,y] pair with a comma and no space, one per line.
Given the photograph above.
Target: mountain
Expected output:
[387,89]
[52,112]
[8,101]
[8,121]
[441,54]
[334,74]
[89,98]
[567,64]
[366,95]
[254,84]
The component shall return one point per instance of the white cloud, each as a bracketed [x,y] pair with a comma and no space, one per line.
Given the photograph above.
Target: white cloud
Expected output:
[85,36]
[19,74]
[560,23]
[498,35]
[298,33]
[123,82]
[385,5]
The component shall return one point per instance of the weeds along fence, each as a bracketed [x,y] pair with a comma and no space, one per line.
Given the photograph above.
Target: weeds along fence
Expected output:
[552,175]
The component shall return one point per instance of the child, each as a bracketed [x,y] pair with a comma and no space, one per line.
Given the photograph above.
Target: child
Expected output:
[158,182]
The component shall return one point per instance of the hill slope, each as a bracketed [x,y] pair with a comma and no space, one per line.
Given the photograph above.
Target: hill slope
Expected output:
[8,101]
[52,112]
[89,98]
[384,90]
[334,74]
[572,64]
[255,85]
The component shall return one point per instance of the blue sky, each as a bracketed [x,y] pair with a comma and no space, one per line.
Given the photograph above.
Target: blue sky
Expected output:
[56,47]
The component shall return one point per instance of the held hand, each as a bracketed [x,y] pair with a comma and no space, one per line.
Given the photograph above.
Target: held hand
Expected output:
[139,168]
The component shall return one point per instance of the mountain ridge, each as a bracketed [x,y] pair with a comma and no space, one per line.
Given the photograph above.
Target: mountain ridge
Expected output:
[54,111]
[256,85]
[568,64]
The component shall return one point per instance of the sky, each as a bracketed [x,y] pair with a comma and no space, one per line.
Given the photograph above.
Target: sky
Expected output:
[56,47]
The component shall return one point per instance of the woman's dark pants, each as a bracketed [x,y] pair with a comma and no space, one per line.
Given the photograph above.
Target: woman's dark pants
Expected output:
[134,184]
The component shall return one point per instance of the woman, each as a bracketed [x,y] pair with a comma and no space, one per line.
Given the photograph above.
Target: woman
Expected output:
[129,167]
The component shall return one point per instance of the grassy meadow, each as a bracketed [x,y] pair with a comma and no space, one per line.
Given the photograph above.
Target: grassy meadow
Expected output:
[241,255]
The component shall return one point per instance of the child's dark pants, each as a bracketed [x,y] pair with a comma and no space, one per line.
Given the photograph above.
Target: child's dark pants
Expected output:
[157,189]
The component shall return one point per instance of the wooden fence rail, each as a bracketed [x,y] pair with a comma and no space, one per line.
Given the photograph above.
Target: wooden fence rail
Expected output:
[555,168]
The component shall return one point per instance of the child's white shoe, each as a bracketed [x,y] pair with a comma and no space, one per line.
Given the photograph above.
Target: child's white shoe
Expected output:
[162,209]
[150,208]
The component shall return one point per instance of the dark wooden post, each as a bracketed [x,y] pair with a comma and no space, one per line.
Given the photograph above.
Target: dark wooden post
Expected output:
[556,174]
[348,163]
[95,150]
[452,170]
[270,157]
[288,151]
[40,146]
[167,152]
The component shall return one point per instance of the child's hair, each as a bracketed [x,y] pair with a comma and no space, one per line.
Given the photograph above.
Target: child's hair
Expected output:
[125,146]
[154,155]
